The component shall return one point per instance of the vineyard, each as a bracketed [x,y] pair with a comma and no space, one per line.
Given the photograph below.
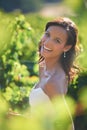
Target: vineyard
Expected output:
[19,38]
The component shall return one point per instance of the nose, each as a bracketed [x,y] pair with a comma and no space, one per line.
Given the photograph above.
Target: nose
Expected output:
[46,41]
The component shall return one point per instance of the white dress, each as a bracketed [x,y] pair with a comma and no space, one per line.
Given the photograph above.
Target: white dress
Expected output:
[38,97]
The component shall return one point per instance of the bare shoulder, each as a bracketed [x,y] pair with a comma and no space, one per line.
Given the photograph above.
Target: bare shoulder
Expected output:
[56,85]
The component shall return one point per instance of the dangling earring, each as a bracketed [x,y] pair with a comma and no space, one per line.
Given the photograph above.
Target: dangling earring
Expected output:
[64,55]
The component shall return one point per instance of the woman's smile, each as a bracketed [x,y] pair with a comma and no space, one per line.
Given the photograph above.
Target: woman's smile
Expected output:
[46,48]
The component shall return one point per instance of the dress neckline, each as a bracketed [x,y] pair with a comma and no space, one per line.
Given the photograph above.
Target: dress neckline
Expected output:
[39,88]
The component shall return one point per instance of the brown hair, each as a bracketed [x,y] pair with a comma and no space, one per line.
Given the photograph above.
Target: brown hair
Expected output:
[72,31]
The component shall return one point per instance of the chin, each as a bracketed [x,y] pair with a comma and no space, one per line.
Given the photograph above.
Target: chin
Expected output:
[46,54]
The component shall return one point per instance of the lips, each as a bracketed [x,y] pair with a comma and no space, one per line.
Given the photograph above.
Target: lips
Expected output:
[46,48]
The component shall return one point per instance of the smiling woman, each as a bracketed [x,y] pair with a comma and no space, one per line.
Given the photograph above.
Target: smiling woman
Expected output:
[54,42]
[57,50]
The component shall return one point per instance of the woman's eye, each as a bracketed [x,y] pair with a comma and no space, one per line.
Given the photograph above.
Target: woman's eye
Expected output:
[47,34]
[57,40]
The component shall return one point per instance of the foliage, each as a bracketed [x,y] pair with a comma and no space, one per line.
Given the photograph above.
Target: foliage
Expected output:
[6,31]
[77,85]
[44,117]
[76,5]
[15,78]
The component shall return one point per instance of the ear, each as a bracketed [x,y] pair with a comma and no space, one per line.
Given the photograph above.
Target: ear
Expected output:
[67,48]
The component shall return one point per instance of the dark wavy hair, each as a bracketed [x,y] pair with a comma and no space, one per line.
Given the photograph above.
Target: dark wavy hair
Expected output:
[69,26]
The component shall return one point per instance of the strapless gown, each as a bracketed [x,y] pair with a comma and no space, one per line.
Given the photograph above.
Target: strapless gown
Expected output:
[38,97]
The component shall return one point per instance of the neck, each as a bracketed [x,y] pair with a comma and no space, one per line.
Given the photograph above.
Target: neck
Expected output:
[52,65]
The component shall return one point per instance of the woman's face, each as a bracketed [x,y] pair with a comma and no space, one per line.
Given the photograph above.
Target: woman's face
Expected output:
[53,42]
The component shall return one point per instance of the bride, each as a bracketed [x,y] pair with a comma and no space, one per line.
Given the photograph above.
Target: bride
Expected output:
[57,50]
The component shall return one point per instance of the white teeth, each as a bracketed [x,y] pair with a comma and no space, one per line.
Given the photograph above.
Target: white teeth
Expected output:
[47,48]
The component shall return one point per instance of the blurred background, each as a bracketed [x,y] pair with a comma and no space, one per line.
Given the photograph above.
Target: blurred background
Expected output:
[22,24]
